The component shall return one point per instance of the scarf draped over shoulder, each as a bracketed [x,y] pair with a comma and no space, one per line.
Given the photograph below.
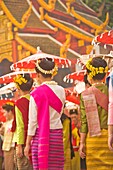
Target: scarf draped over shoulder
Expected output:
[91,97]
[45,97]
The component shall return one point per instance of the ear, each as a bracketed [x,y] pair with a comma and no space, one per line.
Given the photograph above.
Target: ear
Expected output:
[37,75]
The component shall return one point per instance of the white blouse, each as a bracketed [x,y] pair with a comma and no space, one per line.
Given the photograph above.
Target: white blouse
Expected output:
[55,122]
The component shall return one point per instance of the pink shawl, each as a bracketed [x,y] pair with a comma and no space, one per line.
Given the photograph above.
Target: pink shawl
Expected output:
[44,97]
[91,97]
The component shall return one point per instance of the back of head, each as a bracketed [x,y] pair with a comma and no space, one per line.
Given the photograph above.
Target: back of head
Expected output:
[73,111]
[96,68]
[9,106]
[23,81]
[46,67]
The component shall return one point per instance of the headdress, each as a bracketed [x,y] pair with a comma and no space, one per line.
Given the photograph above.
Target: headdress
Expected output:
[95,70]
[53,72]
[10,103]
[19,80]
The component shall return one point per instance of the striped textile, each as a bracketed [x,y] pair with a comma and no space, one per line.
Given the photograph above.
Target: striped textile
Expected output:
[56,151]
[98,155]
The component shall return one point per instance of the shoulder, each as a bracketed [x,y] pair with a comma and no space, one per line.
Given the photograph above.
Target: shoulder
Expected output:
[21,101]
[59,88]
[87,90]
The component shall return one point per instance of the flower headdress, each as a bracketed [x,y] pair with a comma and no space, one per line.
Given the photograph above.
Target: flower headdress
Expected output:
[53,72]
[95,70]
[10,103]
[19,80]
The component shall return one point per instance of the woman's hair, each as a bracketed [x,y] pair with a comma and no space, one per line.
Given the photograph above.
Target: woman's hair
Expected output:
[73,111]
[8,107]
[46,67]
[24,81]
[86,80]
[97,68]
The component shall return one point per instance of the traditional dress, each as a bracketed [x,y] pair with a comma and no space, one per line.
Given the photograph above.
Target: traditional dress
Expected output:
[75,141]
[98,155]
[21,111]
[8,146]
[45,126]
[66,121]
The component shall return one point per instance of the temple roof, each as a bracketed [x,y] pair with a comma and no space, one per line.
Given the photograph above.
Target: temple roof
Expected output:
[55,26]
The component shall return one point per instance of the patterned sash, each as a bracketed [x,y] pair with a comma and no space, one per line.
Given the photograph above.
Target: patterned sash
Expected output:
[91,97]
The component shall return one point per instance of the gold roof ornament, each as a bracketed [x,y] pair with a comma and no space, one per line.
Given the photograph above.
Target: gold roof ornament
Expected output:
[103,26]
[65,46]
[12,18]
[50,6]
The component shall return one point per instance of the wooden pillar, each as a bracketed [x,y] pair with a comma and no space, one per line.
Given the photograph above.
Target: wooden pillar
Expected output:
[14,51]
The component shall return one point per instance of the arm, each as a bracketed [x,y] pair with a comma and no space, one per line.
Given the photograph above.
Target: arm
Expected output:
[32,125]
[2,129]
[110,116]
[20,132]
[110,137]
[82,145]
[83,129]
[19,126]
[27,148]
[110,105]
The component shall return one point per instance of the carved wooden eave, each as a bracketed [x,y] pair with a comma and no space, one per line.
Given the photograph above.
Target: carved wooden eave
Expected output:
[24,19]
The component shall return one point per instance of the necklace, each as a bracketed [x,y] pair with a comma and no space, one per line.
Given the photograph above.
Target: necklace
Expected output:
[98,83]
[50,82]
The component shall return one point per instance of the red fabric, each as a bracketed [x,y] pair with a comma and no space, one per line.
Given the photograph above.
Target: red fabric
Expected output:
[74,140]
[14,123]
[23,105]
[2,102]
[73,98]
[105,38]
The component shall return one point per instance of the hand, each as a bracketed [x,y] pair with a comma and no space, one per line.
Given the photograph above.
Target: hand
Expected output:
[26,151]
[82,151]
[2,130]
[19,152]
[110,142]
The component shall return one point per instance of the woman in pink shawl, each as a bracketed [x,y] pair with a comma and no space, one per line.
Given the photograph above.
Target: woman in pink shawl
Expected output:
[45,134]
[110,108]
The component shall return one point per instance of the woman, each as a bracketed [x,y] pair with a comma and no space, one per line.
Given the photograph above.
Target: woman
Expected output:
[24,83]
[67,135]
[94,115]
[6,129]
[75,137]
[45,127]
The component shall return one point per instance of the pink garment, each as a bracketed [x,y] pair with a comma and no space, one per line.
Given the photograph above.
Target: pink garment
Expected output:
[110,106]
[44,97]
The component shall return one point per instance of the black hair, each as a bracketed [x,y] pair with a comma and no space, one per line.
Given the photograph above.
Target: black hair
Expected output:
[73,111]
[86,80]
[98,62]
[46,64]
[8,107]
[26,86]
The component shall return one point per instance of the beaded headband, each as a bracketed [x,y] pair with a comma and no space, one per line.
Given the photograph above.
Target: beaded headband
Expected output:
[53,72]
[95,70]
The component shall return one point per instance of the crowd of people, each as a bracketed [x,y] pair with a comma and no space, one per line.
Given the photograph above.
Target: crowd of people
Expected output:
[44,131]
